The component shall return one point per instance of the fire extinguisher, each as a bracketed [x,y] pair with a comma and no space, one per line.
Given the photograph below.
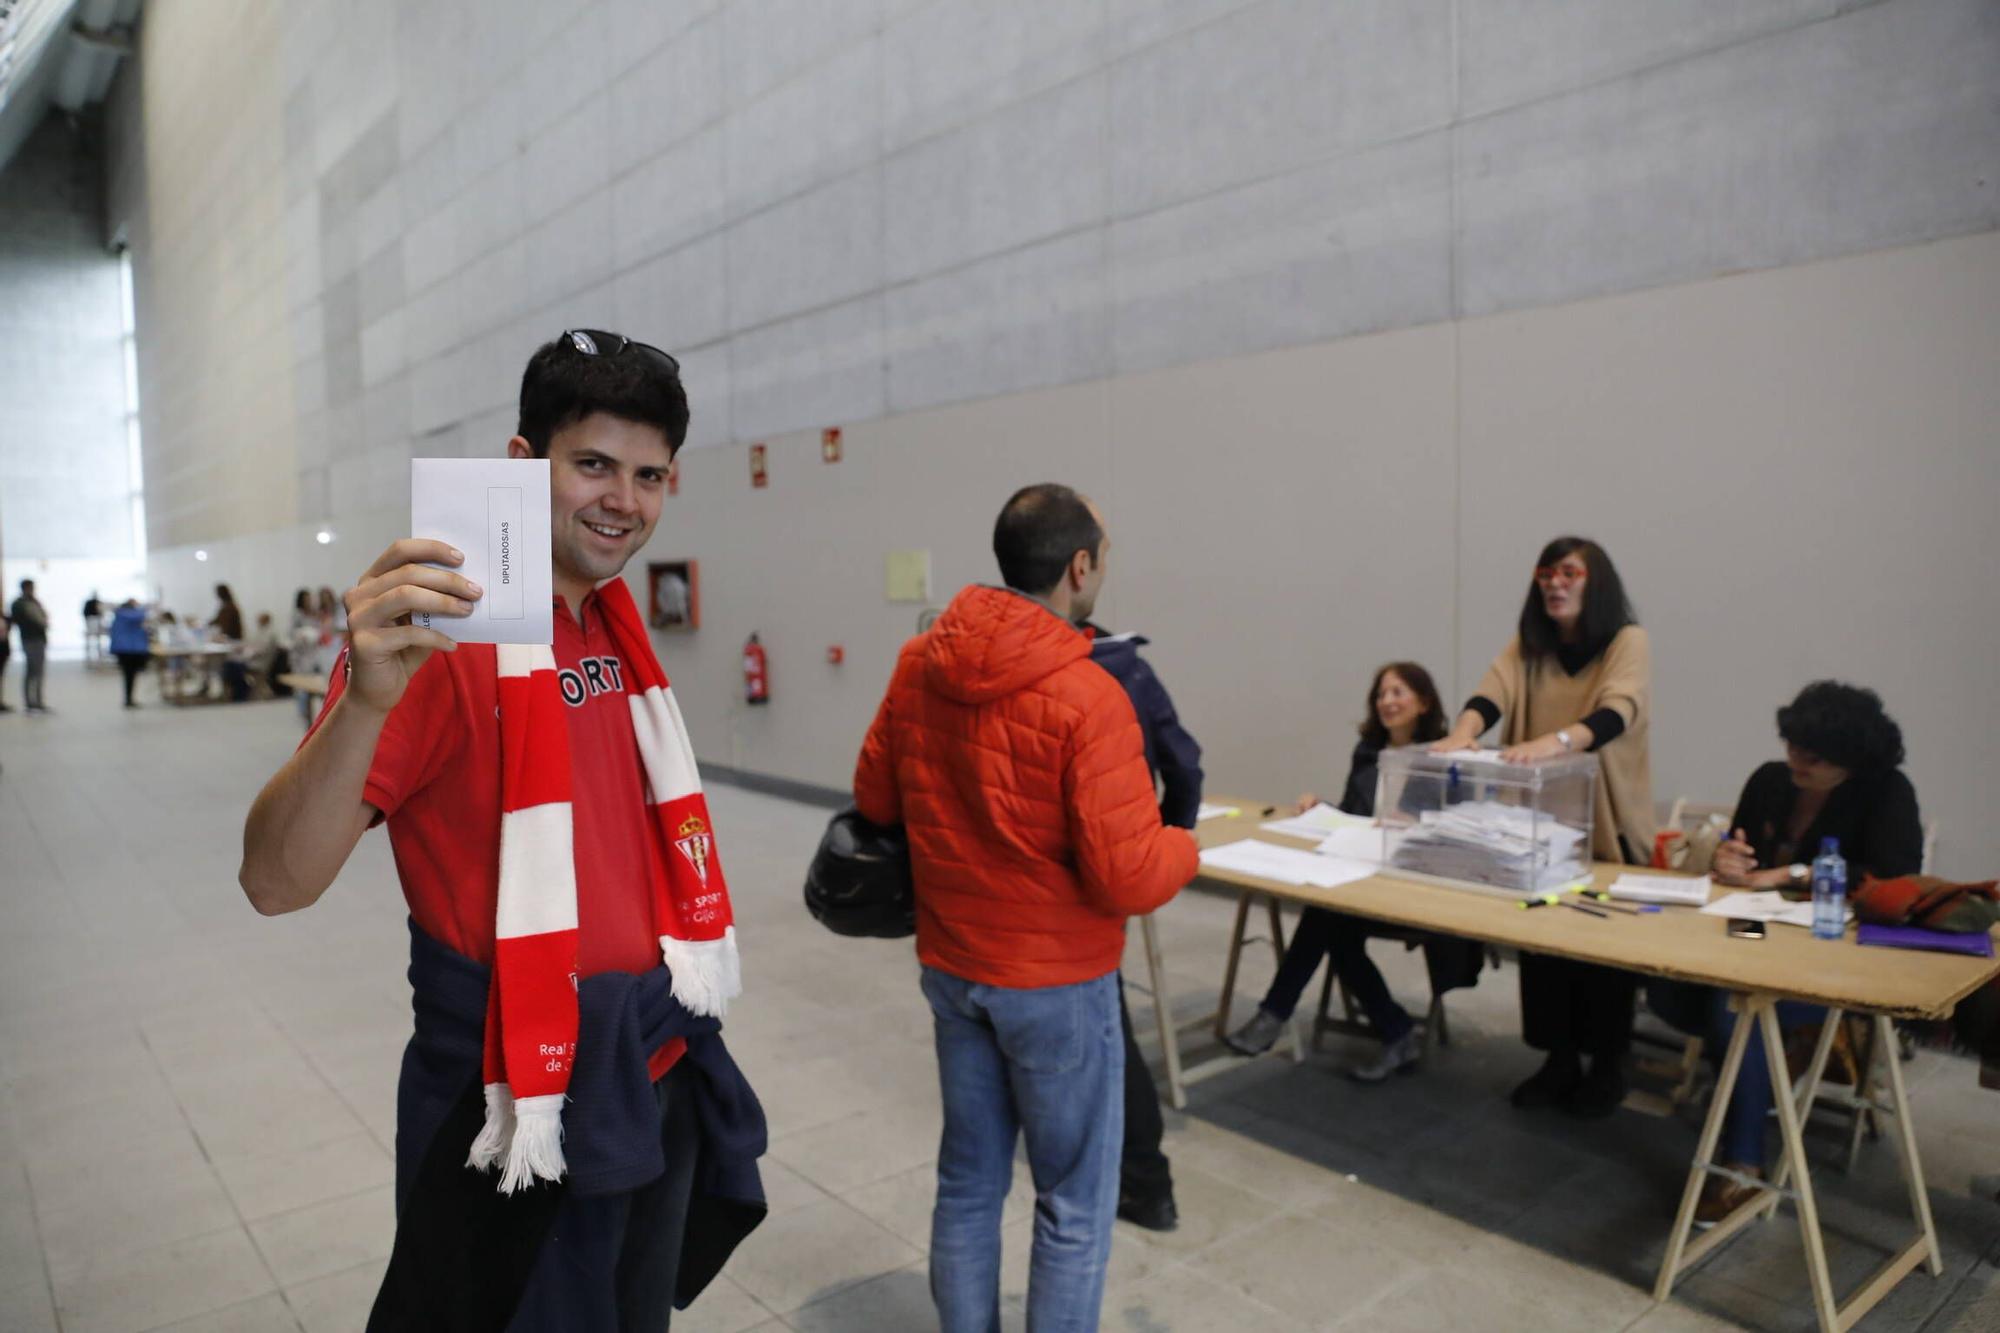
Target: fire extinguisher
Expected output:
[756,673]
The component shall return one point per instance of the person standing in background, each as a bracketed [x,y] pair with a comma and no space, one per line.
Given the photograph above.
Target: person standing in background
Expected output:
[332,615]
[6,651]
[1576,678]
[227,623]
[228,619]
[31,622]
[130,645]
[93,628]
[1145,1176]
[303,618]
[302,644]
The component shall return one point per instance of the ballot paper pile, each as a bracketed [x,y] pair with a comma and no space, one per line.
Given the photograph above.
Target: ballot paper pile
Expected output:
[1491,842]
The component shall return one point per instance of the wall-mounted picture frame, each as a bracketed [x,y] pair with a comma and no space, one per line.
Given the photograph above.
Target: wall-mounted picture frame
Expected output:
[673,594]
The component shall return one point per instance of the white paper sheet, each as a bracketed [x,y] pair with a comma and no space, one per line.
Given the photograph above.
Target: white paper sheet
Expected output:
[1287,865]
[1762,906]
[1670,890]
[1361,843]
[1208,811]
[496,511]
[1315,823]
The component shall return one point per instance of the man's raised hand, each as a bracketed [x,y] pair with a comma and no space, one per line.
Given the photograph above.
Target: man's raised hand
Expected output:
[384,650]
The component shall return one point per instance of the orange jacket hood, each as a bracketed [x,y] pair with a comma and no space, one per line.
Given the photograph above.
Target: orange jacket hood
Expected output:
[991,642]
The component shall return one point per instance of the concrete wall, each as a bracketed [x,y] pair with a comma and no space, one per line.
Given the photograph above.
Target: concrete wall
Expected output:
[65,487]
[1341,309]
[195,184]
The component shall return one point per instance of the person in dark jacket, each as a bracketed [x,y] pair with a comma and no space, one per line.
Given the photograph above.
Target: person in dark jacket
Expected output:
[1145,1177]
[31,622]
[1403,709]
[1841,777]
[6,651]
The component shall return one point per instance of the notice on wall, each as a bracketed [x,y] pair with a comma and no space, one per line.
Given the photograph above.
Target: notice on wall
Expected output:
[907,576]
[496,511]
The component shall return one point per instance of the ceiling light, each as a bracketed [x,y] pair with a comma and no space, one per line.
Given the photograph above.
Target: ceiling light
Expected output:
[323,537]
[201,555]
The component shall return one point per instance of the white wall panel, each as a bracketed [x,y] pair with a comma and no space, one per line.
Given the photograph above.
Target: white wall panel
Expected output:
[1129,243]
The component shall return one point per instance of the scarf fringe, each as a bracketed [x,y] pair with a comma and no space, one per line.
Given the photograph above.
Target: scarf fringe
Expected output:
[535,1152]
[707,973]
[491,1142]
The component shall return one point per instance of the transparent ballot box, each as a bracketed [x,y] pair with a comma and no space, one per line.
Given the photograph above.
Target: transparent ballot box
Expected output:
[1467,818]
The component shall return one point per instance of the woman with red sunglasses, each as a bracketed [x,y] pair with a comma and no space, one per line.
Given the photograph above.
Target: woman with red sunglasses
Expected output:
[1576,678]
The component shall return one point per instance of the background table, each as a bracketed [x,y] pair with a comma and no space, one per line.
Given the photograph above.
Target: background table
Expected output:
[1683,944]
[201,656]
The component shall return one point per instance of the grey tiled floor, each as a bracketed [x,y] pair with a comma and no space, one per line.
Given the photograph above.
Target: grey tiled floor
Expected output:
[198,1107]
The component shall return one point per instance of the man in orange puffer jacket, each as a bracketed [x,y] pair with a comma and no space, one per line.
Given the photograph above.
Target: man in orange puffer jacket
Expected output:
[1015,765]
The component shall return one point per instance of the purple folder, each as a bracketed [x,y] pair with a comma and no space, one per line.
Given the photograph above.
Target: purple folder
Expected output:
[1916,937]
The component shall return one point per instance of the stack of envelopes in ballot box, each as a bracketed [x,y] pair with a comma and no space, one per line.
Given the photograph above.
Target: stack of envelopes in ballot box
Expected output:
[1470,818]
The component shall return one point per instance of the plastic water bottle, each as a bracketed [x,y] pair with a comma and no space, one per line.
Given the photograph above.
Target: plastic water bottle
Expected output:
[1829,880]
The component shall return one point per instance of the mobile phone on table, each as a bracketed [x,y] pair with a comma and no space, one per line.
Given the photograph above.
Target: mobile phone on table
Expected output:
[1744,928]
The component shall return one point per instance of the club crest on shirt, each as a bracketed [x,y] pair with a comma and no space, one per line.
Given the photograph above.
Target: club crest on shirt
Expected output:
[696,844]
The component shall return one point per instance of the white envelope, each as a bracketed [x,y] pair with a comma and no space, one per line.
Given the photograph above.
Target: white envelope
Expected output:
[496,511]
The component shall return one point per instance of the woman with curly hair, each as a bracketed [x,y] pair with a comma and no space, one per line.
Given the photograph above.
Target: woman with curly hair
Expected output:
[1840,778]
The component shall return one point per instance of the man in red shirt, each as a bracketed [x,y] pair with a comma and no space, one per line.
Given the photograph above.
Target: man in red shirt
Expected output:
[410,734]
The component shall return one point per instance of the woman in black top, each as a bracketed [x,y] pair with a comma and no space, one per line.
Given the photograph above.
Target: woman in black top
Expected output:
[1403,708]
[1840,778]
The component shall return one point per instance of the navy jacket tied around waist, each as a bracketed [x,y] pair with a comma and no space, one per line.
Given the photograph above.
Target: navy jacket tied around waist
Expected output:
[611,1132]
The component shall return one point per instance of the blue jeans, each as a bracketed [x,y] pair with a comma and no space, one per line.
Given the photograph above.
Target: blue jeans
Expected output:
[1704,1011]
[1048,1063]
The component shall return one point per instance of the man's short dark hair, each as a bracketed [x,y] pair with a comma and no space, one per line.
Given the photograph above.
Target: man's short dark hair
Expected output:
[563,385]
[1844,725]
[1037,533]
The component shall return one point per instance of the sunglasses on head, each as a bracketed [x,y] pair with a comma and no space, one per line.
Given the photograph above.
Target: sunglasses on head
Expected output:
[596,342]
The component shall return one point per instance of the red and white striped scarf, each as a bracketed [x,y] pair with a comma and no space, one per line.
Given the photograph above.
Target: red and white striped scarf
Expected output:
[531,1006]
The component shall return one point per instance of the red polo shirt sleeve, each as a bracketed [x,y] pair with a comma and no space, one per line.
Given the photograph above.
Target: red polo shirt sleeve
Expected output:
[416,737]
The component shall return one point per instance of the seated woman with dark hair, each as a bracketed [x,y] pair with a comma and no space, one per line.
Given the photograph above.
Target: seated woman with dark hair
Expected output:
[1403,708]
[1840,779]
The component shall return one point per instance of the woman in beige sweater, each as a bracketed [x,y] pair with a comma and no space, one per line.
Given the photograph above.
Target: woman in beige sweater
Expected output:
[1577,677]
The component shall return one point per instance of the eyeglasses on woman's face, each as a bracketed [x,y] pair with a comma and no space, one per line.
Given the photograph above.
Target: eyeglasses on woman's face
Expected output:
[1563,571]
